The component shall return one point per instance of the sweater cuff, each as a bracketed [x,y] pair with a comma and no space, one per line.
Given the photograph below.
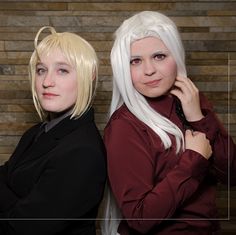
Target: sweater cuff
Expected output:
[194,164]
[208,125]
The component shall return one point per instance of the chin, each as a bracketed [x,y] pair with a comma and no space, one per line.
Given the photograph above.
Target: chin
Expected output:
[50,110]
[154,95]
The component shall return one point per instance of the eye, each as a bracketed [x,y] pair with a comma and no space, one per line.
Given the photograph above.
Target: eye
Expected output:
[40,71]
[63,71]
[135,61]
[159,56]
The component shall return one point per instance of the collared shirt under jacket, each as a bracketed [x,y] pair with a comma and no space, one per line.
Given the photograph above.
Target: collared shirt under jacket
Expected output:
[53,186]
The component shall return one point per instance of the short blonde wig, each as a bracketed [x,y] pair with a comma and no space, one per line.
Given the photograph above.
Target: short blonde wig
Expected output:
[79,54]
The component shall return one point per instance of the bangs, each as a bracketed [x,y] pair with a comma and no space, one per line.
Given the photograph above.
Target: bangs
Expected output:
[54,42]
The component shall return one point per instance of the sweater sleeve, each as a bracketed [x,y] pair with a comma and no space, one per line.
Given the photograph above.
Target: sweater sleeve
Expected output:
[71,186]
[8,197]
[131,170]
[224,149]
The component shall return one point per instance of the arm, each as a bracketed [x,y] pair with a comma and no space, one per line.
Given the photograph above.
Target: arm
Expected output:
[199,113]
[7,196]
[223,147]
[70,186]
[131,169]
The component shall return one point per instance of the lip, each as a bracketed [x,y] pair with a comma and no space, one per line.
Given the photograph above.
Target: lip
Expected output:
[49,95]
[153,83]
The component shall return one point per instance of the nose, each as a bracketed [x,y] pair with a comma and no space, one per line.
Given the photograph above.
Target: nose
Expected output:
[149,68]
[48,80]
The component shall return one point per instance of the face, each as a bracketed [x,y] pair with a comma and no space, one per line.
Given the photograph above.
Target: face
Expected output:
[153,69]
[55,82]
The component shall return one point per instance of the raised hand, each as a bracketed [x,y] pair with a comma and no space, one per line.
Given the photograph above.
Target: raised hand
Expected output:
[198,142]
[188,95]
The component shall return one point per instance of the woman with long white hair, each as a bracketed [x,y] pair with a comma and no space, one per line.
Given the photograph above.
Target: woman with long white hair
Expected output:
[166,149]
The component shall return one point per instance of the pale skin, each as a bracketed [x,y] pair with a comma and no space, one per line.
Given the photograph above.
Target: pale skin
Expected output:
[154,73]
[56,83]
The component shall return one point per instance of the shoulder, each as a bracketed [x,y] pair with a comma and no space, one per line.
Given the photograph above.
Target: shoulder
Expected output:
[78,151]
[78,137]
[124,118]
[33,128]
[79,131]
[30,133]
[84,135]
[81,138]
[124,127]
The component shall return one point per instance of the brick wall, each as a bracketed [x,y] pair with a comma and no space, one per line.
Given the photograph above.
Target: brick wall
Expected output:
[208,29]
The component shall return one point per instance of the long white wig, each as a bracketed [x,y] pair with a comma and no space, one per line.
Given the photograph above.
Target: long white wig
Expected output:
[141,25]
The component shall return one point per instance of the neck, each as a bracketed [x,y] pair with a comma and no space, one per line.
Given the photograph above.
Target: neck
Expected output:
[54,115]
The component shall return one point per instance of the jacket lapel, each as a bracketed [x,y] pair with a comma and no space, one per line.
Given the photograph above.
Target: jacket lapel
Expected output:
[24,143]
[47,141]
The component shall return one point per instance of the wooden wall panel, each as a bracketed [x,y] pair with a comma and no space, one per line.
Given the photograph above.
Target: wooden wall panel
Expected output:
[208,30]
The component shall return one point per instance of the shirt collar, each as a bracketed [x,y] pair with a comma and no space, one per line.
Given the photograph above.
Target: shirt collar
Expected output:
[50,124]
[163,104]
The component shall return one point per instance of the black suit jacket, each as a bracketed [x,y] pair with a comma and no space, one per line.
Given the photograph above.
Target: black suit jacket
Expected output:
[54,185]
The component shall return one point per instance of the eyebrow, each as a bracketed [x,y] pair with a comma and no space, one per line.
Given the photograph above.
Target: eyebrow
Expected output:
[57,63]
[63,63]
[157,52]
[135,56]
